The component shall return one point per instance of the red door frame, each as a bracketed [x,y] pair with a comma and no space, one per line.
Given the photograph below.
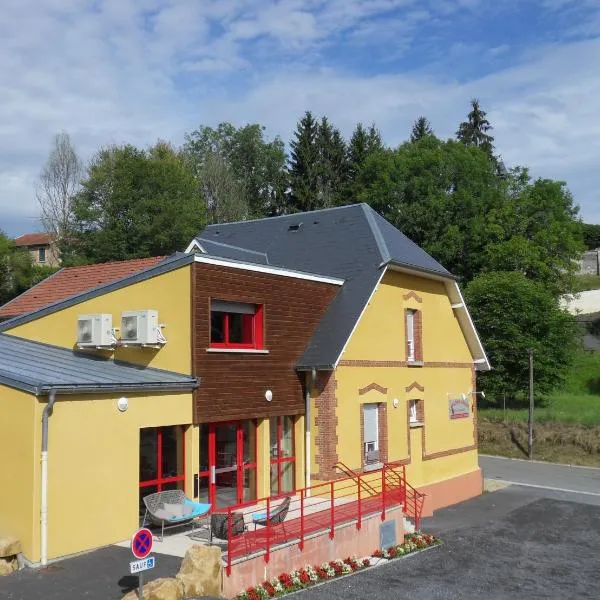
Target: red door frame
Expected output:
[241,467]
[160,480]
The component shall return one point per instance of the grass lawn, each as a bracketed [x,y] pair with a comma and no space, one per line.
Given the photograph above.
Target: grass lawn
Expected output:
[577,403]
[566,424]
[586,282]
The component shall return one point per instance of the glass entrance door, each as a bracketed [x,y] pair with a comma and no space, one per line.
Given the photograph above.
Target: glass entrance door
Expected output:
[227,474]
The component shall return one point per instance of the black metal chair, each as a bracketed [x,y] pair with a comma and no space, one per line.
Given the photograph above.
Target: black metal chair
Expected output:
[276,515]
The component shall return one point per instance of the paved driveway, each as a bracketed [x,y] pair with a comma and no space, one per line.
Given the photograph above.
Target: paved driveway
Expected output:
[517,542]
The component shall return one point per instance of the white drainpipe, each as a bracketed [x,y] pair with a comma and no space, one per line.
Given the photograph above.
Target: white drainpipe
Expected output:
[44,491]
[307,426]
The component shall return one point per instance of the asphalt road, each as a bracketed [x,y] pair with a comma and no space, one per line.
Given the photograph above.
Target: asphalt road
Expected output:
[545,475]
[533,541]
[518,542]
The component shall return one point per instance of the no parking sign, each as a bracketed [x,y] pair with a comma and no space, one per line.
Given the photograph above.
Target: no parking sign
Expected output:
[141,546]
[141,543]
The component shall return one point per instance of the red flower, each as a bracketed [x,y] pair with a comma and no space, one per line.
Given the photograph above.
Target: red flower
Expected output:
[366,562]
[378,553]
[286,581]
[336,567]
[392,551]
[304,576]
[269,588]
[252,594]
[322,573]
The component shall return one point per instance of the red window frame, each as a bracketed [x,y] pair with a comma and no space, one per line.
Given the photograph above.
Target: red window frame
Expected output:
[254,322]
[160,481]
[279,460]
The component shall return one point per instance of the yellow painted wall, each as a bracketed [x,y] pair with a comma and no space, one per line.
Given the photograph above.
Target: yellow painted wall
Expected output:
[381,335]
[168,293]
[20,454]
[93,466]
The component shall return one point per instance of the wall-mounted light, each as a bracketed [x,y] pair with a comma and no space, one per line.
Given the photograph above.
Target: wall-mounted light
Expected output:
[268,395]
[122,404]
[395,402]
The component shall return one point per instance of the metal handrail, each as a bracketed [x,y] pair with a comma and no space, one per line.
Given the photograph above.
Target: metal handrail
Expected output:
[354,475]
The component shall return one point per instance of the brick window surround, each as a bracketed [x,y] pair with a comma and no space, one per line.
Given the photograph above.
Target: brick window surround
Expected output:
[382,432]
[417,335]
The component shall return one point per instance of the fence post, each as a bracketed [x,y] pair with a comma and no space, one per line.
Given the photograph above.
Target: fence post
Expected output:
[268,548]
[229,548]
[301,544]
[383,494]
[332,532]
[359,521]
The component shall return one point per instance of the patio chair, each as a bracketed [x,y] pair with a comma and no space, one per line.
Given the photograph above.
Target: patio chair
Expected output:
[276,515]
[172,508]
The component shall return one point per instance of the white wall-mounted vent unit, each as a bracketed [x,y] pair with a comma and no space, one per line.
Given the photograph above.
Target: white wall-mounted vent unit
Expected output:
[95,331]
[141,328]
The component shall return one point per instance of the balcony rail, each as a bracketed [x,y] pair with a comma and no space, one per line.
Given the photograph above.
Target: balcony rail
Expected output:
[318,508]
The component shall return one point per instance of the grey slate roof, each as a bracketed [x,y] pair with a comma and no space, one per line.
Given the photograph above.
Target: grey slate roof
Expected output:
[35,367]
[350,242]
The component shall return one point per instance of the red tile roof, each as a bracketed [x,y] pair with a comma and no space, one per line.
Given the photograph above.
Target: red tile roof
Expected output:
[34,239]
[71,281]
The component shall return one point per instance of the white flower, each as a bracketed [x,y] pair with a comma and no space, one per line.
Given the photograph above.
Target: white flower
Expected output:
[346,569]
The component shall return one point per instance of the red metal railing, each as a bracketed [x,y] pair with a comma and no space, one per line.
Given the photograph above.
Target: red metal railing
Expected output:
[318,508]
[412,499]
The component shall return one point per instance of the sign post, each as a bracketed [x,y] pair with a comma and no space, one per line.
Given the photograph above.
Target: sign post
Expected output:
[141,546]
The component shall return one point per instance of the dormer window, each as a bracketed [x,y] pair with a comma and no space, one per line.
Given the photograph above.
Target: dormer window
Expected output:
[236,325]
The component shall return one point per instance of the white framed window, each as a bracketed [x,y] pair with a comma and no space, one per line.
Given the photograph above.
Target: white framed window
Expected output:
[415,416]
[410,335]
[371,432]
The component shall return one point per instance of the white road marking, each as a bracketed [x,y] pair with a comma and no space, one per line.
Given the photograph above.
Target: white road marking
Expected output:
[547,487]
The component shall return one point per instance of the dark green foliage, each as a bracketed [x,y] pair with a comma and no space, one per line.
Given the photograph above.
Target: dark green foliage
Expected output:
[242,174]
[17,270]
[304,166]
[135,203]
[421,128]
[591,236]
[447,198]
[474,131]
[512,314]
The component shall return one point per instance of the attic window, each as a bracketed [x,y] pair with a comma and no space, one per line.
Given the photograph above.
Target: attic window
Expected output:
[295,227]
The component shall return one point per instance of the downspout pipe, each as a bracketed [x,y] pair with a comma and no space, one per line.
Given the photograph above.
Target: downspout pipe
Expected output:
[44,487]
[310,383]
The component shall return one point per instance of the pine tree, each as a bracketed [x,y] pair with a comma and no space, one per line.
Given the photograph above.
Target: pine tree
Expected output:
[363,144]
[304,169]
[474,131]
[421,128]
[332,164]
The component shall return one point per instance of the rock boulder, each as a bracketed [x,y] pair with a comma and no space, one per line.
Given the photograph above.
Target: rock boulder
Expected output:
[9,546]
[200,571]
[159,589]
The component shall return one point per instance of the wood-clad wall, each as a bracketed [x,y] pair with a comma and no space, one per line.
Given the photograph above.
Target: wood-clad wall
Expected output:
[233,385]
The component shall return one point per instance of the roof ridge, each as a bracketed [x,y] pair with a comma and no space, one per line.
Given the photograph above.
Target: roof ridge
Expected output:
[115,262]
[201,239]
[289,215]
[379,239]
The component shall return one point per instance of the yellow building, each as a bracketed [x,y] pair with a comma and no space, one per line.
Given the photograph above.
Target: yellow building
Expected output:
[275,354]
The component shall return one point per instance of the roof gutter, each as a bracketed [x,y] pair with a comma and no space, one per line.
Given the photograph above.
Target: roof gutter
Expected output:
[44,483]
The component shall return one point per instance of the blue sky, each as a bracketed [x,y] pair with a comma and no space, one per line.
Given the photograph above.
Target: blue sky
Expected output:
[115,71]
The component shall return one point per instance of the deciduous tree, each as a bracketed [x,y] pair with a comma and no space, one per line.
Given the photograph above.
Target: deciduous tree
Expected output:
[513,314]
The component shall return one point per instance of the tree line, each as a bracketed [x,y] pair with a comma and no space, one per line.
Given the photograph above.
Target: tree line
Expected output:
[511,240]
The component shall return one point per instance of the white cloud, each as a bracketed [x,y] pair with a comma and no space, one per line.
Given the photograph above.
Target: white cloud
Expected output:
[115,71]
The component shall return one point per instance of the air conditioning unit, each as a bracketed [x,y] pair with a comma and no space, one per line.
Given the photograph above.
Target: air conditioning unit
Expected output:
[141,328]
[95,331]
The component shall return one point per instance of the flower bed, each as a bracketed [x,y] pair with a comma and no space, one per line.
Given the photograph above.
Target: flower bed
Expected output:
[311,574]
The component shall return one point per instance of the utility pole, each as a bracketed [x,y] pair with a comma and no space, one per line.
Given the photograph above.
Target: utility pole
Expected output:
[530,432]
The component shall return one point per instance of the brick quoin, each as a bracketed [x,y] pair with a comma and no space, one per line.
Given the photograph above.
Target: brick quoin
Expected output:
[326,421]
